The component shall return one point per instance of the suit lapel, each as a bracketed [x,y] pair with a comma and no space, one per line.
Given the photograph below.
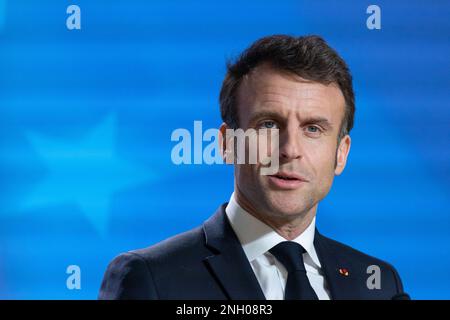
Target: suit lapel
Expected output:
[231,268]
[341,286]
[229,264]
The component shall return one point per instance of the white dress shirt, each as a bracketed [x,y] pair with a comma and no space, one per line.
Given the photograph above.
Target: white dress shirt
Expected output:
[257,238]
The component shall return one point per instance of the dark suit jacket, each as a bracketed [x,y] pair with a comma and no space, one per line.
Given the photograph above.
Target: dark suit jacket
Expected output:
[208,262]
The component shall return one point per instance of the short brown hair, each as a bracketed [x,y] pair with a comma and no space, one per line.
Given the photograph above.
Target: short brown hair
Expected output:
[309,57]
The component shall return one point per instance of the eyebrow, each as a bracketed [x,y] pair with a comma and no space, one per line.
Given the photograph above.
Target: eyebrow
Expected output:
[323,122]
[264,114]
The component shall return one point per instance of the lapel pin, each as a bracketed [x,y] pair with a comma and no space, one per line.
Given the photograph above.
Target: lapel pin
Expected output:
[343,272]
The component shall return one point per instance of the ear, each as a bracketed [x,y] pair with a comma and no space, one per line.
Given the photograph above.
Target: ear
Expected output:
[342,154]
[222,141]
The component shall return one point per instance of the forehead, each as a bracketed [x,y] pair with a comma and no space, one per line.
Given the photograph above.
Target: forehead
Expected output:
[266,88]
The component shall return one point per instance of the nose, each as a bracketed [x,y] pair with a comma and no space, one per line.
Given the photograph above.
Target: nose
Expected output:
[290,147]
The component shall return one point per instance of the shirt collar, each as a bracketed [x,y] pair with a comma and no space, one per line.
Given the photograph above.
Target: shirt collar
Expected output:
[257,238]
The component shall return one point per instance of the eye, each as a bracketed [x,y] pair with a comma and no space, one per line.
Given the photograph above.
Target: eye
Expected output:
[313,130]
[268,124]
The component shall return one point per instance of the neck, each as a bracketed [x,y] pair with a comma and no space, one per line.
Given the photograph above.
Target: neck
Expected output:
[287,226]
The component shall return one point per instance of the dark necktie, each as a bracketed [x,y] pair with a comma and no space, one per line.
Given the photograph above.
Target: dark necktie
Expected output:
[290,254]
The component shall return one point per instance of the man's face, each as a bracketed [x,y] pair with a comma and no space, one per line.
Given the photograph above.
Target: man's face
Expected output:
[308,116]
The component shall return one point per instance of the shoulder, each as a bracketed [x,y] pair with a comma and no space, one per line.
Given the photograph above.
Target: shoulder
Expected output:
[130,275]
[127,277]
[350,252]
[180,246]
[135,274]
[175,250]
[365,263]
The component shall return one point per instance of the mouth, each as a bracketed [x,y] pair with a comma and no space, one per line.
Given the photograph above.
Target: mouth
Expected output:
[286,180]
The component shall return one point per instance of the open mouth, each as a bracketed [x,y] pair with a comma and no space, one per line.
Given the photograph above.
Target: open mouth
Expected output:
[285,177]
[288,181]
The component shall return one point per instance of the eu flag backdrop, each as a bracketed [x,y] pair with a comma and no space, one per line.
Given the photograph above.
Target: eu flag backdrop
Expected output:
[86,117]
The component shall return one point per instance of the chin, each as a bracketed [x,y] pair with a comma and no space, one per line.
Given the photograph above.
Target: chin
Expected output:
[283,204]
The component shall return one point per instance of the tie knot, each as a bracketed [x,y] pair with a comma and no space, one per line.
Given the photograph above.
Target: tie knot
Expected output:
[290,254]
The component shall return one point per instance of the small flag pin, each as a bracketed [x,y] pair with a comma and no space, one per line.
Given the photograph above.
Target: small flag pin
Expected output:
[343,272]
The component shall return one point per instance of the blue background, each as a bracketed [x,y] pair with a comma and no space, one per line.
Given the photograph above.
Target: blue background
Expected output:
[86,118]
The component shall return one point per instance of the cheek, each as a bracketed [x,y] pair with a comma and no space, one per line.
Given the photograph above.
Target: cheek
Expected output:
[246,175]
[323,160]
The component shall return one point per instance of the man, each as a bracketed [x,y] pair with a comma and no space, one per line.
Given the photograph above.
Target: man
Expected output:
[263,244]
